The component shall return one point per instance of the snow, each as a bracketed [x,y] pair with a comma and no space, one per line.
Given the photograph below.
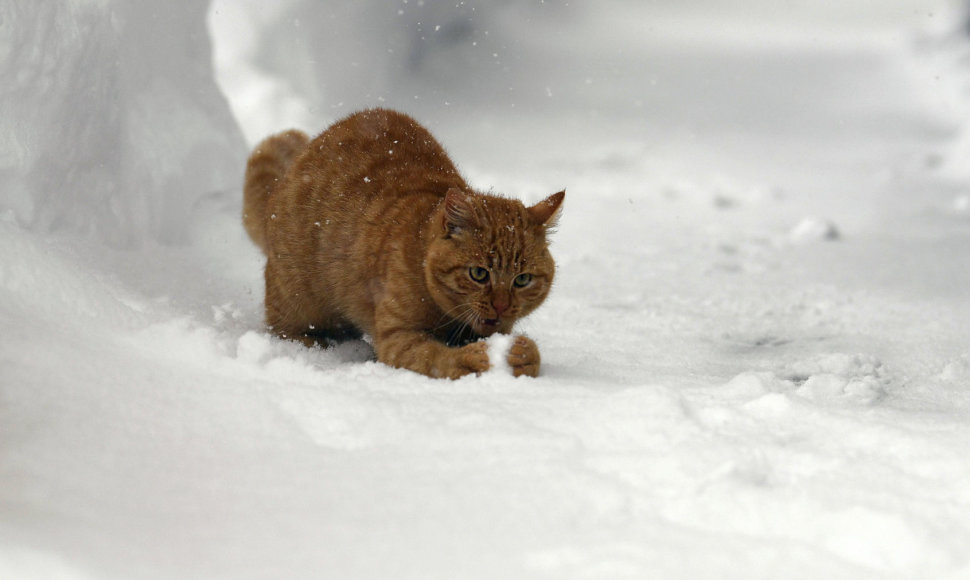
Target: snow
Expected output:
[814,229]
[498,352]
[113,124]
[755,358]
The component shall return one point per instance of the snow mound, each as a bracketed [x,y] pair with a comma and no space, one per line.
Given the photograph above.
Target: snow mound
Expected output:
[835,378]
[111,123]
[498,353]
[851,378]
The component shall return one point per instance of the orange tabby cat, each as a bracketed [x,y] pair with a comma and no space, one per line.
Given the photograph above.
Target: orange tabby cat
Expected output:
[369,228]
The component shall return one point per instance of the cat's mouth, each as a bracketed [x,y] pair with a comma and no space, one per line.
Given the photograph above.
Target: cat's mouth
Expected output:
[488,326]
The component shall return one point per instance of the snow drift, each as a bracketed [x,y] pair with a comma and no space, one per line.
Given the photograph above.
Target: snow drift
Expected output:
[112,124]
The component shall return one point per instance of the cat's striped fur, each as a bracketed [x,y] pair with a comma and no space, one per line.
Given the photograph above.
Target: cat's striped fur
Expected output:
[370,229]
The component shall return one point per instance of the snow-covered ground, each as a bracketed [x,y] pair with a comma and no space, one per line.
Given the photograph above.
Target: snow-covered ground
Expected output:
[756,358]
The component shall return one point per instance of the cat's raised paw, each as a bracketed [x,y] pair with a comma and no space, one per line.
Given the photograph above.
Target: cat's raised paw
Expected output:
[523,357]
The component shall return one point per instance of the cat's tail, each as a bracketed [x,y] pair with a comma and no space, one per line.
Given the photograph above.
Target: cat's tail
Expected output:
[265,169]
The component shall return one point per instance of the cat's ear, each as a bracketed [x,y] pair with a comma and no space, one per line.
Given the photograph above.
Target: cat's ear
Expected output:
[546,212]
[459,212]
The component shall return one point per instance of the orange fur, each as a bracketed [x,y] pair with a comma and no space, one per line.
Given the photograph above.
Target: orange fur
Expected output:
[370,229]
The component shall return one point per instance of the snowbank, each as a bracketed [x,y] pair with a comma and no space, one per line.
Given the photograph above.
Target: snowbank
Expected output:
[111,121]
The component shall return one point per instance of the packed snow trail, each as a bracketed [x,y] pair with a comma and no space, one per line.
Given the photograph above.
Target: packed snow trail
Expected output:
[728,390]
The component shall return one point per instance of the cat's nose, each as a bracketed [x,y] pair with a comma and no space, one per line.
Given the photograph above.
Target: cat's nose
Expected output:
[500,303]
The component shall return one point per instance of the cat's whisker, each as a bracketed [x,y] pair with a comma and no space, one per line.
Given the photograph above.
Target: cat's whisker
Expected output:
[448,317]
[463,317]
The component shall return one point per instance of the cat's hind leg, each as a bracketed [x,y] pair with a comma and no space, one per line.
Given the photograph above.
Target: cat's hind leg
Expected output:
[311,331]
[297,316]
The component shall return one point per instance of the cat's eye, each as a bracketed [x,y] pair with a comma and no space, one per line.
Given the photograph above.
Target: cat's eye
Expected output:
[478,274]
[522,280]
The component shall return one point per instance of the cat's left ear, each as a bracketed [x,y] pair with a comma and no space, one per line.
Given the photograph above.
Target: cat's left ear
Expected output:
[546,212]
[459,212]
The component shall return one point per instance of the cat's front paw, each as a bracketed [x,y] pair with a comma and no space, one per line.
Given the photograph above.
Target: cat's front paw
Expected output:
[471,358]
[523,357]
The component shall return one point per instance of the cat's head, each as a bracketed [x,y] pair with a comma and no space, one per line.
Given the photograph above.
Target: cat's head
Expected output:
[489,263]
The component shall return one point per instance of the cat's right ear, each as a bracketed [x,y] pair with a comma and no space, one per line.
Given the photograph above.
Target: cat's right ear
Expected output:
[546,212]
[459,212]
